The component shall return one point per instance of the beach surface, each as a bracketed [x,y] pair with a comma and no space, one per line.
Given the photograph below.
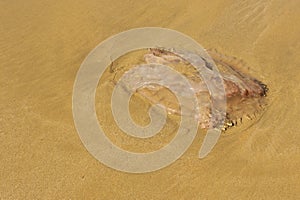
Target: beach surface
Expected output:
[43,44]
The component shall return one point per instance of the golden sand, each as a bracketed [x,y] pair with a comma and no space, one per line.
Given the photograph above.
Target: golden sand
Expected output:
[42,45]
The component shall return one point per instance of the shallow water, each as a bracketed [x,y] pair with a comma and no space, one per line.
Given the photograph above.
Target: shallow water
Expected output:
[42,46]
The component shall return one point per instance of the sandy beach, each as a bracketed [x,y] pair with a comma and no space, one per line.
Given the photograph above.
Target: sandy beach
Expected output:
[43,44]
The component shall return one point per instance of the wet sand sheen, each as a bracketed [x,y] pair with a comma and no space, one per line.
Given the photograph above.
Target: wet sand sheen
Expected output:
[42,46]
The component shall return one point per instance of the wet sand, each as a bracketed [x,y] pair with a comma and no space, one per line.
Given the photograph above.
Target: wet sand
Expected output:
[42,45]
